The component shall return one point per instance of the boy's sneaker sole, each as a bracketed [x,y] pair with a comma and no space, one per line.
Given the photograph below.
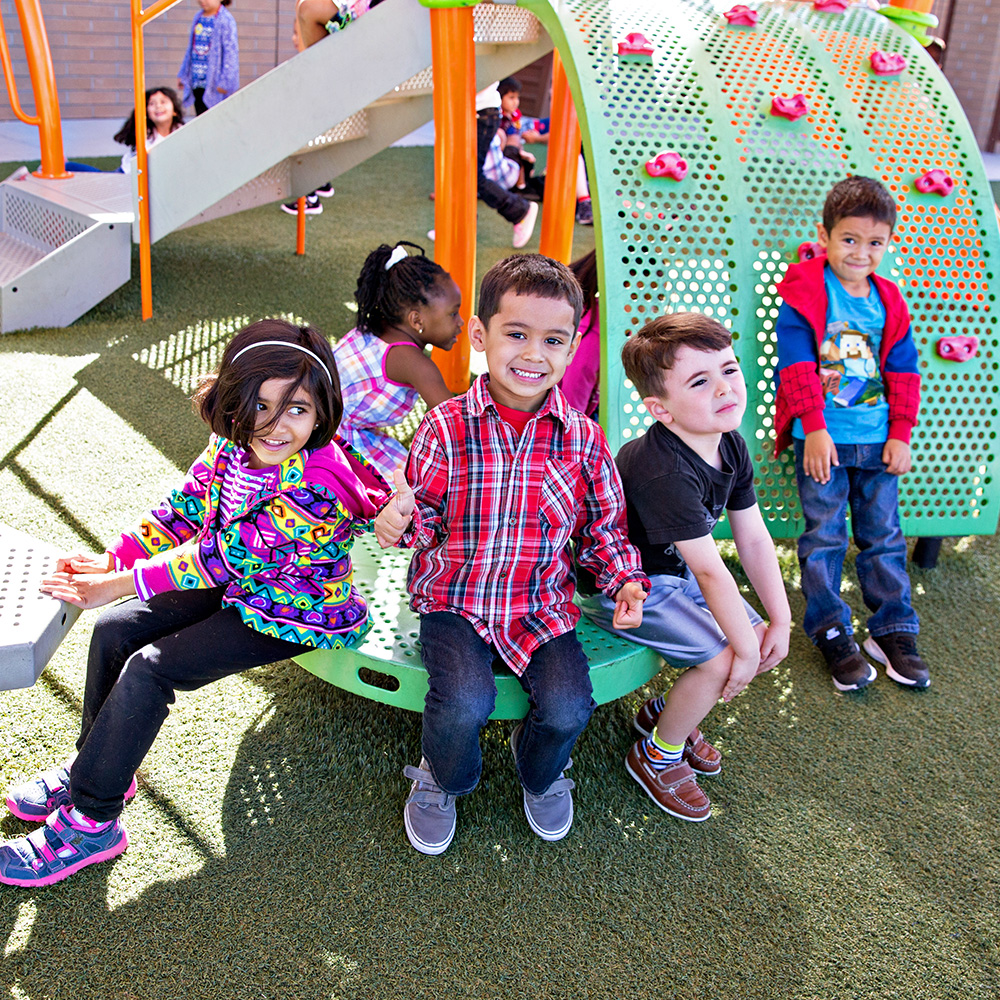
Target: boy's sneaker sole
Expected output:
[874,650]
[550,815]
[55,851]
[35,800]
[429,810]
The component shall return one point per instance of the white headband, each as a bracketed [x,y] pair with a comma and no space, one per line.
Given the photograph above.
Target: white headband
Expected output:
[396,256]
[294,347]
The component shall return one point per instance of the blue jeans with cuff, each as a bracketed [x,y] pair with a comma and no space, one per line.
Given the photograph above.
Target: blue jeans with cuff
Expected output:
[463,694]
[873,495]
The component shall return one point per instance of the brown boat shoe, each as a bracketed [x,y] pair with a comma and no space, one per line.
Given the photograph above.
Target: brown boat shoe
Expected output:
[673,788]
[705,759]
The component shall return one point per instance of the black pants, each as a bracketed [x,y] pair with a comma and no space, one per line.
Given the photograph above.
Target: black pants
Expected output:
[198,93]
[510,205]
[140,654]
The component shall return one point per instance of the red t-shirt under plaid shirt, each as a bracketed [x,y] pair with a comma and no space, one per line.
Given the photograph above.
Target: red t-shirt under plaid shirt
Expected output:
[495,512]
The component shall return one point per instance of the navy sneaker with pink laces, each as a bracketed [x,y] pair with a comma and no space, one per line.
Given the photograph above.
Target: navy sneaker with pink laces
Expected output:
[58,849]
[40,796]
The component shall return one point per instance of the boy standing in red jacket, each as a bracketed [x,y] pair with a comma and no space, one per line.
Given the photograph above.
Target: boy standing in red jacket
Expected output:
[848,391]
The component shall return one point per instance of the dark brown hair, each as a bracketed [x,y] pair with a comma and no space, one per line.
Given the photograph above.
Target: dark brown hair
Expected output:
[126,134]
[529,274]
[858,198]
[653,349]
[227,400]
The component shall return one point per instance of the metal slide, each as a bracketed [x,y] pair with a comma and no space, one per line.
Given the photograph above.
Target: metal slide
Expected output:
[66,245]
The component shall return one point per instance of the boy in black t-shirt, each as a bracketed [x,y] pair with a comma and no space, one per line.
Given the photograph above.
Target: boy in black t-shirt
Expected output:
[679,477]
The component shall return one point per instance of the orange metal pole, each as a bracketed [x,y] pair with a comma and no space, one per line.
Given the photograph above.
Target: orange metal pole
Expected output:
[454,56]
[139,20]
[43,84]
[559,217]
[139,91]
[300,226]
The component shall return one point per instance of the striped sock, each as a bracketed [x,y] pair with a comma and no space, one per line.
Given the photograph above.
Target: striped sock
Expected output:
[661,754]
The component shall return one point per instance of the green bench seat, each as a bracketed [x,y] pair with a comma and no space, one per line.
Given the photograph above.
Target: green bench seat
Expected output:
[386,667]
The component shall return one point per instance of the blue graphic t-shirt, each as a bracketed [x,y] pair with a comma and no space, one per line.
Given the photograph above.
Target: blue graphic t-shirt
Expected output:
[199,51]
[856,410]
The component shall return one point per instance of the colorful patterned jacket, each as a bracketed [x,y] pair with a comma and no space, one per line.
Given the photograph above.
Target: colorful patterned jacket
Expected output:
[800,329]
[284,556]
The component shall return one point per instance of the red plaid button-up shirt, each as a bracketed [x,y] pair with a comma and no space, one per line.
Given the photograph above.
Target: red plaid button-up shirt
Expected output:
[495,513]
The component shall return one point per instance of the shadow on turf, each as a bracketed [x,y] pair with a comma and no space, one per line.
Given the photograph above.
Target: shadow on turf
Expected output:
[320,895]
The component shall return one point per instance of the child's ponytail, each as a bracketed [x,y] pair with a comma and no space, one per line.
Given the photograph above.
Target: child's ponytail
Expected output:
[391,283]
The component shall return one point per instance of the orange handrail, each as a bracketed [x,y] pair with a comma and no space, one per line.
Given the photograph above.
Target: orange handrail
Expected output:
[140,18]
[453,54]
[556,238]
[43,84]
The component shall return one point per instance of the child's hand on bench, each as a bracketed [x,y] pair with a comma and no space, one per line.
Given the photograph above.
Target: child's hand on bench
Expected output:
[89,588]
[83,563]
[394,518]
[628,606]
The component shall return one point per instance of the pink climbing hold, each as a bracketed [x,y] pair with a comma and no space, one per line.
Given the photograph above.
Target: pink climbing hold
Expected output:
[808,250]
[635,43]
[887,63]
[936,181]
[667,164]
[958,348]
[789,107]
[741,14]
[831,6]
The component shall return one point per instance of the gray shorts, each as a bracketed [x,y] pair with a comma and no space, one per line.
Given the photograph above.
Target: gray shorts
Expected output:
[676,621]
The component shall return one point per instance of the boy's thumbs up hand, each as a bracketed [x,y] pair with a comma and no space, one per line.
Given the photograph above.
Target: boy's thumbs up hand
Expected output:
[395,516]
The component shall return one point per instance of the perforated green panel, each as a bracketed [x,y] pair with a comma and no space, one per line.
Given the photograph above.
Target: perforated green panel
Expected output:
[720,239]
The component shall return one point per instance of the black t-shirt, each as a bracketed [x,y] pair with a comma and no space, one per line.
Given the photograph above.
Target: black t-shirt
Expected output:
[672,494]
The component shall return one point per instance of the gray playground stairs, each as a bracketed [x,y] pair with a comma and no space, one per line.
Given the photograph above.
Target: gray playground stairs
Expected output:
[67,244]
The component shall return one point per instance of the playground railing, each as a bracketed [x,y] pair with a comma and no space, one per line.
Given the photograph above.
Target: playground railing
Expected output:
[140,18]
[43,84]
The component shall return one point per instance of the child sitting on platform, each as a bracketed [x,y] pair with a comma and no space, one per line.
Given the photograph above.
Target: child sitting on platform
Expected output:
[406,303]
[679,477]
[848,393]
[246,563]
[503,477]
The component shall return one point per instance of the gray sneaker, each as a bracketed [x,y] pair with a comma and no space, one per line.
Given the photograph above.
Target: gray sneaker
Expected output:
[429,813]
[550,814]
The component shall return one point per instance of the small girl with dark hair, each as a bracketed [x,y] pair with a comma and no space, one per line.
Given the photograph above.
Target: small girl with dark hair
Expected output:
[582,380]
[406,303]
[164,115]
[246,563]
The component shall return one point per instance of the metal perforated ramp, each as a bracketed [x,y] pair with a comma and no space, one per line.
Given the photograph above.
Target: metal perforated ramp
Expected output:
[64,246]
[31,624]
[720,239]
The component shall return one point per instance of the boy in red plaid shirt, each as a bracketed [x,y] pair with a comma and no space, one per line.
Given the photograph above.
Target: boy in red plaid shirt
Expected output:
[848,392]
[503,477]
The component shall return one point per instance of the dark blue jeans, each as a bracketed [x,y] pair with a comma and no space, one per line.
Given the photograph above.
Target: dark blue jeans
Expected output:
[873,494]
[463,693]
[508,203]
[142,652]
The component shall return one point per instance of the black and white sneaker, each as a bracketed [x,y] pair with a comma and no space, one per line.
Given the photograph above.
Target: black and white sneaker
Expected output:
[898,651]
[313,206]
[849,670]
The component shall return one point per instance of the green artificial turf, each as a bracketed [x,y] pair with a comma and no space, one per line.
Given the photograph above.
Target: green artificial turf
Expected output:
[853,849]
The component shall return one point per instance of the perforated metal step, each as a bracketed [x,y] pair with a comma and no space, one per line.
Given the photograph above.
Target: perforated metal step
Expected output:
[31,624]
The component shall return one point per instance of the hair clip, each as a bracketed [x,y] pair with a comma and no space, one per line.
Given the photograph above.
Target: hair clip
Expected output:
[396,256]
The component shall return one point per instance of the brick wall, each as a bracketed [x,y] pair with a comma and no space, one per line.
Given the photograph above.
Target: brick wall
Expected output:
[972,61]
[91,45]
